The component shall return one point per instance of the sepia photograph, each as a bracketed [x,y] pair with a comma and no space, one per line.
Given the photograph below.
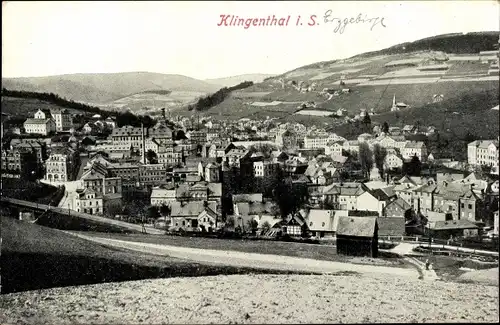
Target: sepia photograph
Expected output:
[249,162]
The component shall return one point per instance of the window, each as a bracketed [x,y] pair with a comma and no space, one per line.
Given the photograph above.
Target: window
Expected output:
[470,207]
[463,205]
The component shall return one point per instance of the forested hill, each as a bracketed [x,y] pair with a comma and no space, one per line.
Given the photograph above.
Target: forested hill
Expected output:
[54,99]
[457,43]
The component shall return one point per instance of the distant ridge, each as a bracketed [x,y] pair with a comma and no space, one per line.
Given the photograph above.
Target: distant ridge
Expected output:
[235,80]
[103,88]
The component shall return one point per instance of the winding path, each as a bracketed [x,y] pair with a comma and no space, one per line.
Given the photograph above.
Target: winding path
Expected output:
[240,259]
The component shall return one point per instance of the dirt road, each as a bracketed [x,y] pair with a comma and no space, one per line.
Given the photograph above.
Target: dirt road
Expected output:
[274,262]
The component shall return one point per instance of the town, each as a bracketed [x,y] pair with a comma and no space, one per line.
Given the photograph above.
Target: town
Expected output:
[157,168]
[262,178]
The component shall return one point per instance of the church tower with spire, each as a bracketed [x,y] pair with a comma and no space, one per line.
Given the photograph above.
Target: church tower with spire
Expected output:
[394,106]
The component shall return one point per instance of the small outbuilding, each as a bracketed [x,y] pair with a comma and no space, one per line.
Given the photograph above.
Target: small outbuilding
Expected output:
[357,236]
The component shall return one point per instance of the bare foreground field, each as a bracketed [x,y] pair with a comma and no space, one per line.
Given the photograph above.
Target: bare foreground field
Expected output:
[350,293]
[256,299]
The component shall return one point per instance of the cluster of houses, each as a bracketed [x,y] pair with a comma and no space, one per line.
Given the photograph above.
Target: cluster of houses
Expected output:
[46,122]
[194,170]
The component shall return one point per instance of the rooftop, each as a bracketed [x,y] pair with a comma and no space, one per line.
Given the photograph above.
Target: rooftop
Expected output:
[356,226]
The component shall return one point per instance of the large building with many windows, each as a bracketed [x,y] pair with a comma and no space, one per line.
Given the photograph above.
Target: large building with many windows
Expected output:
[62,119]
[483,152]
[39,126]
[62,164]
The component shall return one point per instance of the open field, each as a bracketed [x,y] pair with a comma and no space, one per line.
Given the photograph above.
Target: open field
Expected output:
[257,299]
[313,112]
[173,99]
[451,268]
[250,95]
[36,257]
[487,277]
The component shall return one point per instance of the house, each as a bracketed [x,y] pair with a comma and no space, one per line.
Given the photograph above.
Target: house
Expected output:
[483,152]
[62,165]
[246,212]
[294,226]
[452,228]
[91,128]
[409,129]
[357,236]
[397,208]
[110,122]
[343,196]
[445,174]
[201,191]
[368,201]
[21,160]
[234,156]
[334,149]
[193,216]
[62,118]
[212,173]
[394,130]
[461,201]
[89,201]
[393,161]
[415,148]
[39,126]
[322,223]
[278,156]
[424,195]
[295,165]
[163,196]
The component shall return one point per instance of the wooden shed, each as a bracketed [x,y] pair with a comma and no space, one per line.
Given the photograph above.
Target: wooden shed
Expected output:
[357,236]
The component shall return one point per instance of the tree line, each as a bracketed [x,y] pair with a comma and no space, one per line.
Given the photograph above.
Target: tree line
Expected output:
[52,98]
[218,97]
[122,119]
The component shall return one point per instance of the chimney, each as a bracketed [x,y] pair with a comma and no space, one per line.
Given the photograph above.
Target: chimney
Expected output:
[143,157]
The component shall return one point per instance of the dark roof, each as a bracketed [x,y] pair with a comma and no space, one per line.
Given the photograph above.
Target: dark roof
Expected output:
[401,203]
[356,226]
[391,226]
[255,208]
[453,224]
[247,197]
[379,194]
[447,170]
[362,213]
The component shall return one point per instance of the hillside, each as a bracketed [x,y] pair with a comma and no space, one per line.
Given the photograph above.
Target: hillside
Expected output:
[103,89]
[235,80]
[417,74]
[22,108]
[37,257]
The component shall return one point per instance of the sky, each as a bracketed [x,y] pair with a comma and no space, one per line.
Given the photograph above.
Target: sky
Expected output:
[51,38]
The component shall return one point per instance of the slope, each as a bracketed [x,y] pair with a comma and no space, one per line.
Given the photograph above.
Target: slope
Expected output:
[37,257]
[235,80]
[416,73]
[101,88]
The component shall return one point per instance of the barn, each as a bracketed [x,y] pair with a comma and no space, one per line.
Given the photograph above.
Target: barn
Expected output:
[357,236]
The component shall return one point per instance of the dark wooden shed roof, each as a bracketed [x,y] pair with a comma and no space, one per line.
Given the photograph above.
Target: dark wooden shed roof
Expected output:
[357,226]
